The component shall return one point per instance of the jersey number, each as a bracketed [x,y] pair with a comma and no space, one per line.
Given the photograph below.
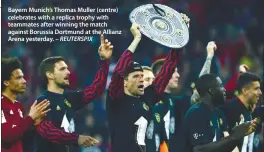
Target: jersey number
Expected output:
[142,124]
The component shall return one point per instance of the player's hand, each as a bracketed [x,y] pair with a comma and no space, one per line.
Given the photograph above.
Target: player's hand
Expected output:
[186,19]
[106,49]
[244,129]
[243,68]
[86,141]
[135,31]
[39,110]
[38,121]
[211,47]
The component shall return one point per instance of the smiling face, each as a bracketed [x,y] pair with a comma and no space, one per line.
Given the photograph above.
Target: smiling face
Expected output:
[252,91]
[134,83]
[16,83]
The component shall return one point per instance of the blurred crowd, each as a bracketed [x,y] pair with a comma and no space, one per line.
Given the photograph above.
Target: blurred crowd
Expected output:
[237,27]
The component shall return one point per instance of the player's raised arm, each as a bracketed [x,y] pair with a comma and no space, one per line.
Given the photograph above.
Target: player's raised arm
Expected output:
[116,87]
[163,77]
[161,80]
[98,86]
[211,47]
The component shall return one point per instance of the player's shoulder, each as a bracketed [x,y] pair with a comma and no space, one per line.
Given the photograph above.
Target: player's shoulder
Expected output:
[232,102]
[42,96]
[227,106]
[195,110]
[148,91]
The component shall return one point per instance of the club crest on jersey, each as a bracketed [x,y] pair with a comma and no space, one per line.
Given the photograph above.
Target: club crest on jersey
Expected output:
[67,103]
[161,102]
[157,117]
[145,106]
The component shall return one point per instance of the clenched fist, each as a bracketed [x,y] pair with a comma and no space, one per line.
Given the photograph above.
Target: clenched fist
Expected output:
[135,31]
[243,68]
[211,47]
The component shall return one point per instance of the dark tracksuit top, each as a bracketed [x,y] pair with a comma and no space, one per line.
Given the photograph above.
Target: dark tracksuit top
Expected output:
[236,113]
[57,131]
[201,125]
[128,117]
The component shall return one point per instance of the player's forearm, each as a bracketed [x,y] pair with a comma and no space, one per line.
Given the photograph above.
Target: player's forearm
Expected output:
[116,86]
[97,88]
[226,144]
[168,68]
[207,66]
[48,131]
[133,46]
[12,133]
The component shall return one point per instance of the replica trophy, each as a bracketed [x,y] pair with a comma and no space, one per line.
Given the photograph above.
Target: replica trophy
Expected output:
[161,24]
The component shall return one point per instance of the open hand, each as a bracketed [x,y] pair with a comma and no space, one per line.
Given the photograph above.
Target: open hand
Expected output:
[39,110]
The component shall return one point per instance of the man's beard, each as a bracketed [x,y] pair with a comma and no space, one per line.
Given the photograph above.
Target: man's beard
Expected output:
[63,85]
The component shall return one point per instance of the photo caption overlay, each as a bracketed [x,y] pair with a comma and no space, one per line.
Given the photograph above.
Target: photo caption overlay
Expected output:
[55,24]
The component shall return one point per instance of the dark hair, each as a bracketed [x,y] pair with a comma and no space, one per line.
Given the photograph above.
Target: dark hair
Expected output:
[47,65]
[133,67]
[205,82]
[8,66]
[245,79]
[146,68]
[157,65]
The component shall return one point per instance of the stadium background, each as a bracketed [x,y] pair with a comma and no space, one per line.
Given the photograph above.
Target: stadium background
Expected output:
[237,27]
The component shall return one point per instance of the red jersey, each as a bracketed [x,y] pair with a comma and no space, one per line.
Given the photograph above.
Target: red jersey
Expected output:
[13,124]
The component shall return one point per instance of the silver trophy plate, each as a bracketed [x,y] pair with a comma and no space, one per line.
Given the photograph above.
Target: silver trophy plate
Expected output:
[161,24]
